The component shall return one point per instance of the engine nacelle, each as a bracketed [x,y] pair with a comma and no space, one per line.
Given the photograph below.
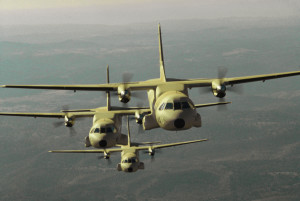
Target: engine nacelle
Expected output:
[218,89]
[151,152]
[139,117]
[124,94]
[69,121]
[106,155]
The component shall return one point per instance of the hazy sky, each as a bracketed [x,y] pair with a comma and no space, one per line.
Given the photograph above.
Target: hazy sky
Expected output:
[119,12]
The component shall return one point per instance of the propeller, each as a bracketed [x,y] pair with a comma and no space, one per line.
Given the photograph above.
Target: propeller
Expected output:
[222,71]
[61,123]
[140,126]
[126,78]
[152,154]
[107,159]
[57,124]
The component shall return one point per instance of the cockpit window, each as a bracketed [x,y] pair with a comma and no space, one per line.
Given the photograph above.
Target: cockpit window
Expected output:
[162,106]
[177,106]
[185,105]
[109,129]
[169,106]
[130,160]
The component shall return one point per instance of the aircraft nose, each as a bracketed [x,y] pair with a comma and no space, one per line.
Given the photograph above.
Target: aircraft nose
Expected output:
[102,143]
[179,123]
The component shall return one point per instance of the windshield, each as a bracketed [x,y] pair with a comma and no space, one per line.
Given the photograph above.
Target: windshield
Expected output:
[130,160]
[104,129]
[175,106]
[169,106]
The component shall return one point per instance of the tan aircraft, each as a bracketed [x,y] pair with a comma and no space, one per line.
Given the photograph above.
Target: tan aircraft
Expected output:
[130,161]
[171,107]
[107,122]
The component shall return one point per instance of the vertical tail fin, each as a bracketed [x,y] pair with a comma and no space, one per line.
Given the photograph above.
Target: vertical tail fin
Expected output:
[161,55]
[128,129]
[107,92]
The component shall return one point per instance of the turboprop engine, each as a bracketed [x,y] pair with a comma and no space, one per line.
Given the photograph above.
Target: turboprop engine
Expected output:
[124,94]
[69,121]
[218,89]
[139,117]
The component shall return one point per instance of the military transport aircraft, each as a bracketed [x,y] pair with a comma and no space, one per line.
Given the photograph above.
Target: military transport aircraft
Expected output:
[129,153]
[107,122]
[171,107]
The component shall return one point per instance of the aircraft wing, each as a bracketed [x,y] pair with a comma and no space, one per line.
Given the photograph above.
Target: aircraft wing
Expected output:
[48,115]
[89,87]
[107,151]
[89,151]
[79,113]
[168,145]
[237,80]
[211,104]
[131,111]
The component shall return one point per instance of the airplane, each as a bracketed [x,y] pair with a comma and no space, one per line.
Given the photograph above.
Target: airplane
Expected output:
[130,161]
[170,105]
[107,122]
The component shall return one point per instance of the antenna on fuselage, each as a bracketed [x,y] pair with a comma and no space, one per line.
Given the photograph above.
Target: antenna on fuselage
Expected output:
[107,92]
[161,56]
[128,132]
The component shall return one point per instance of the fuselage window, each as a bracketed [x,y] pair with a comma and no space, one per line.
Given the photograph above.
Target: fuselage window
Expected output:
[169,106]
[177,106]
[97,130]
[185,105]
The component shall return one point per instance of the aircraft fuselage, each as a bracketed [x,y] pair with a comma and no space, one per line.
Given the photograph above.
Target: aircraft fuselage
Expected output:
[130,161]
[106,131]
[171,108]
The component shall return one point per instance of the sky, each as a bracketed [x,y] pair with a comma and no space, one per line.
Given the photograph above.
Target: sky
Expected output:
[135,11]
